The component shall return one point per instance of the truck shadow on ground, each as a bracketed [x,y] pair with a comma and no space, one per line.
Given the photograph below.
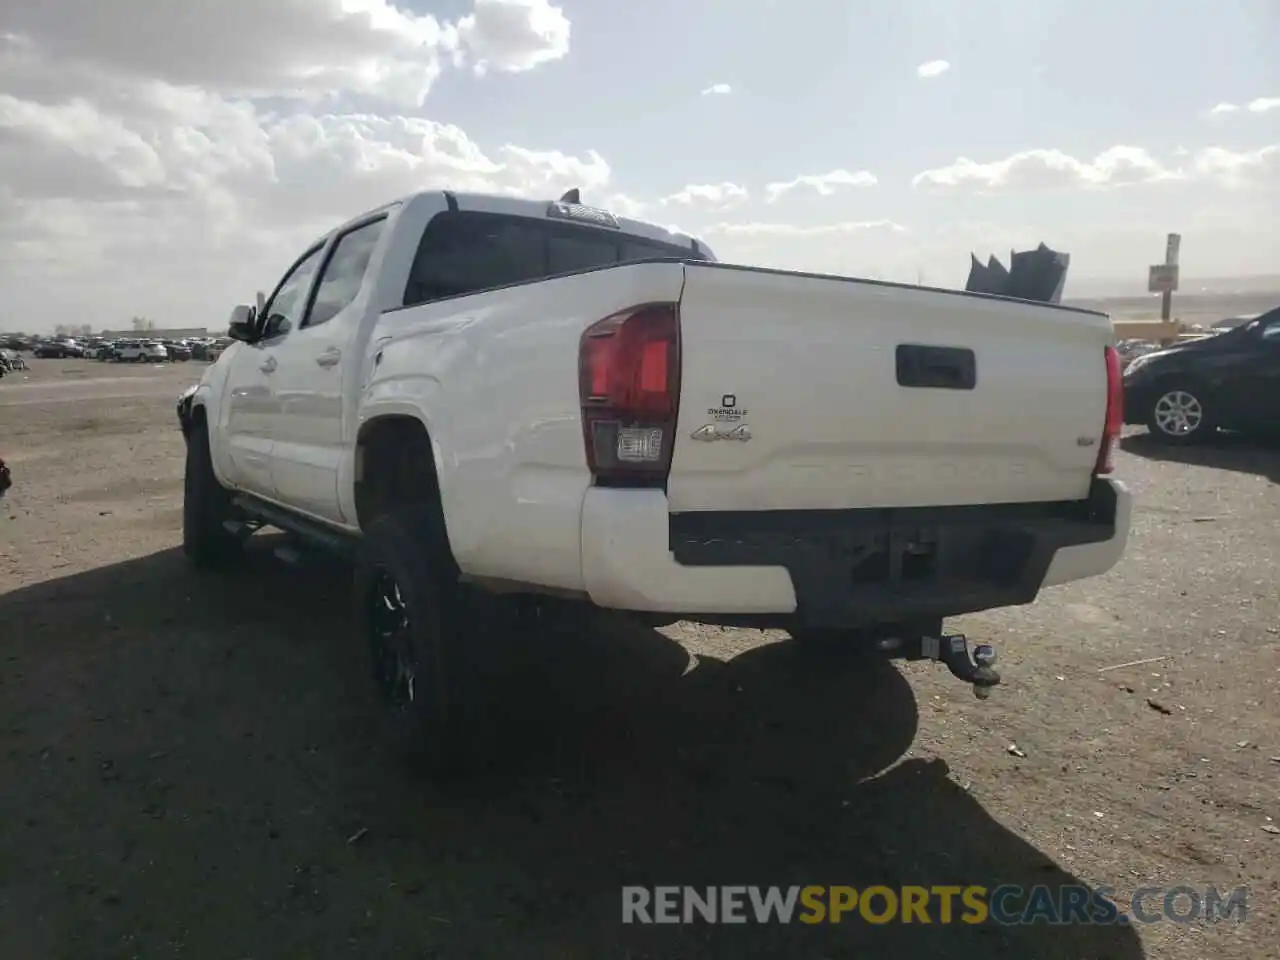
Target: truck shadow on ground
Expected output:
[197,761]
[1222,451]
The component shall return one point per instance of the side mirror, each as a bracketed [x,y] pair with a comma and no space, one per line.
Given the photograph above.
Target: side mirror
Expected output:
[276,325]
[243,324]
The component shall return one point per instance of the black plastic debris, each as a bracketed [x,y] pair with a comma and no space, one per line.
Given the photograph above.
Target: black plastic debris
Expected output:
[1039,275]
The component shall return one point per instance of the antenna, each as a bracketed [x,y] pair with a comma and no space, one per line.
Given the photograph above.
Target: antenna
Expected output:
[572,196]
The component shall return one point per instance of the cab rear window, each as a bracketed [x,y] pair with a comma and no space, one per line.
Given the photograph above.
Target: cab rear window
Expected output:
[465,252]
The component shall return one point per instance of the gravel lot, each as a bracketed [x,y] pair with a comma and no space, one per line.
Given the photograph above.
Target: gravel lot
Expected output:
[191,766]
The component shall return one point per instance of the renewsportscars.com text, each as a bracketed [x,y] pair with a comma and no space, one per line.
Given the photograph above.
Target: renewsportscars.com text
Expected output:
[1007,905]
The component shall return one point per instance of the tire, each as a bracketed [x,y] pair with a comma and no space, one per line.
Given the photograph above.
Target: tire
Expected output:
[206,505]
[413,613]
[1180,415]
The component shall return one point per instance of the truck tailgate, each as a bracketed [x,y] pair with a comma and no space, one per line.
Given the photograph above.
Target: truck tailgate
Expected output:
[802,392]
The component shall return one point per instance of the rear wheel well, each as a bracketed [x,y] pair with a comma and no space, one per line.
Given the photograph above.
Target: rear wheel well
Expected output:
[395,468]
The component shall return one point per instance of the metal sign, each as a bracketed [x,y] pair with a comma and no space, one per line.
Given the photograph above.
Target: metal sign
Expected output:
[1162,278]
[1171,249]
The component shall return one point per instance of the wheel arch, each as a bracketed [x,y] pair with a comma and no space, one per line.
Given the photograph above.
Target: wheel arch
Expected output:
[395,466]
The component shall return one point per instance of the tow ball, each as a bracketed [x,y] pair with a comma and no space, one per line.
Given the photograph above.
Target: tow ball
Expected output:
[976,668]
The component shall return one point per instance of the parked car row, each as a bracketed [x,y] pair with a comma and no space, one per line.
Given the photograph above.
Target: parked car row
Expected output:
[125,350]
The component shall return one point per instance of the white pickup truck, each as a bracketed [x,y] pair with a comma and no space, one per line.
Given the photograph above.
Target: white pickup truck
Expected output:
[477,396]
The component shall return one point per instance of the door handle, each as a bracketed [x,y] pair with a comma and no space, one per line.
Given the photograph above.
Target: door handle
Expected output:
[941,368]
[269,365]
[330,357]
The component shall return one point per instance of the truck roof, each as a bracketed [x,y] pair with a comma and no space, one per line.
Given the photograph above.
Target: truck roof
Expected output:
[521,207]
[537,209]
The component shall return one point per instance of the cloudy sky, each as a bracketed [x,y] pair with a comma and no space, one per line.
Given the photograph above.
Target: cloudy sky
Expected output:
[170,157]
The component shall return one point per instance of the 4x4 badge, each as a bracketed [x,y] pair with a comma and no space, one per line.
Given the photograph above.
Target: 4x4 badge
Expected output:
[714,431]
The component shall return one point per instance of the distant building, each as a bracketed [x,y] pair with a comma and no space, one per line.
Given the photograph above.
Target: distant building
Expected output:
[160,333]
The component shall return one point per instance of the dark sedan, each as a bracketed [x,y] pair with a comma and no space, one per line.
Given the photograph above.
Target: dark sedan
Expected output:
[57,349]
[1230,380]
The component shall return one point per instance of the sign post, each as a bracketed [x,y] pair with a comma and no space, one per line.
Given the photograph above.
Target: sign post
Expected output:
[1162,278]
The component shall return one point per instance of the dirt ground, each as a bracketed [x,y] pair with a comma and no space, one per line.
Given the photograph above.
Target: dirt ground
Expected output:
[191,766]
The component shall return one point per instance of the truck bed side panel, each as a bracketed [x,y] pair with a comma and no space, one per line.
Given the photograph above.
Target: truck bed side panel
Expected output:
[497,374]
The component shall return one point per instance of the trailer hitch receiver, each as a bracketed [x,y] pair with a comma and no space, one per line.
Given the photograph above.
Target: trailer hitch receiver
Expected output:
[976,667]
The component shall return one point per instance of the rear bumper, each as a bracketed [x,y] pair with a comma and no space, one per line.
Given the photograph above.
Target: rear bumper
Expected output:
[842,568]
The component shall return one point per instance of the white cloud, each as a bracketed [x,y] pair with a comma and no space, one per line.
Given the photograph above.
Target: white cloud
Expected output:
[708,195]
[715,89]
[166,158]
[338,164]
[752,229]
[933,68]
[1049,169]
[1117,167]
[113,157]
[825,184]
[1239,169]
[177,231]
[295,48]
[874,248]
[513,35]
[1256,105]
[170,158]
[240,47]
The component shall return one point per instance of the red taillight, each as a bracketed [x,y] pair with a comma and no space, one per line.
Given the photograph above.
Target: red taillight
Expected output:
[629,384]
[1114,424]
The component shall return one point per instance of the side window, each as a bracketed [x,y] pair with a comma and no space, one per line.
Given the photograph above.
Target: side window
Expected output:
[465,252]
[286,306]
[1271,332]
[582,248]
[344,273]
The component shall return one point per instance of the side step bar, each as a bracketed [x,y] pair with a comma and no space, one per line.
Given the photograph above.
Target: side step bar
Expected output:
[308,531]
